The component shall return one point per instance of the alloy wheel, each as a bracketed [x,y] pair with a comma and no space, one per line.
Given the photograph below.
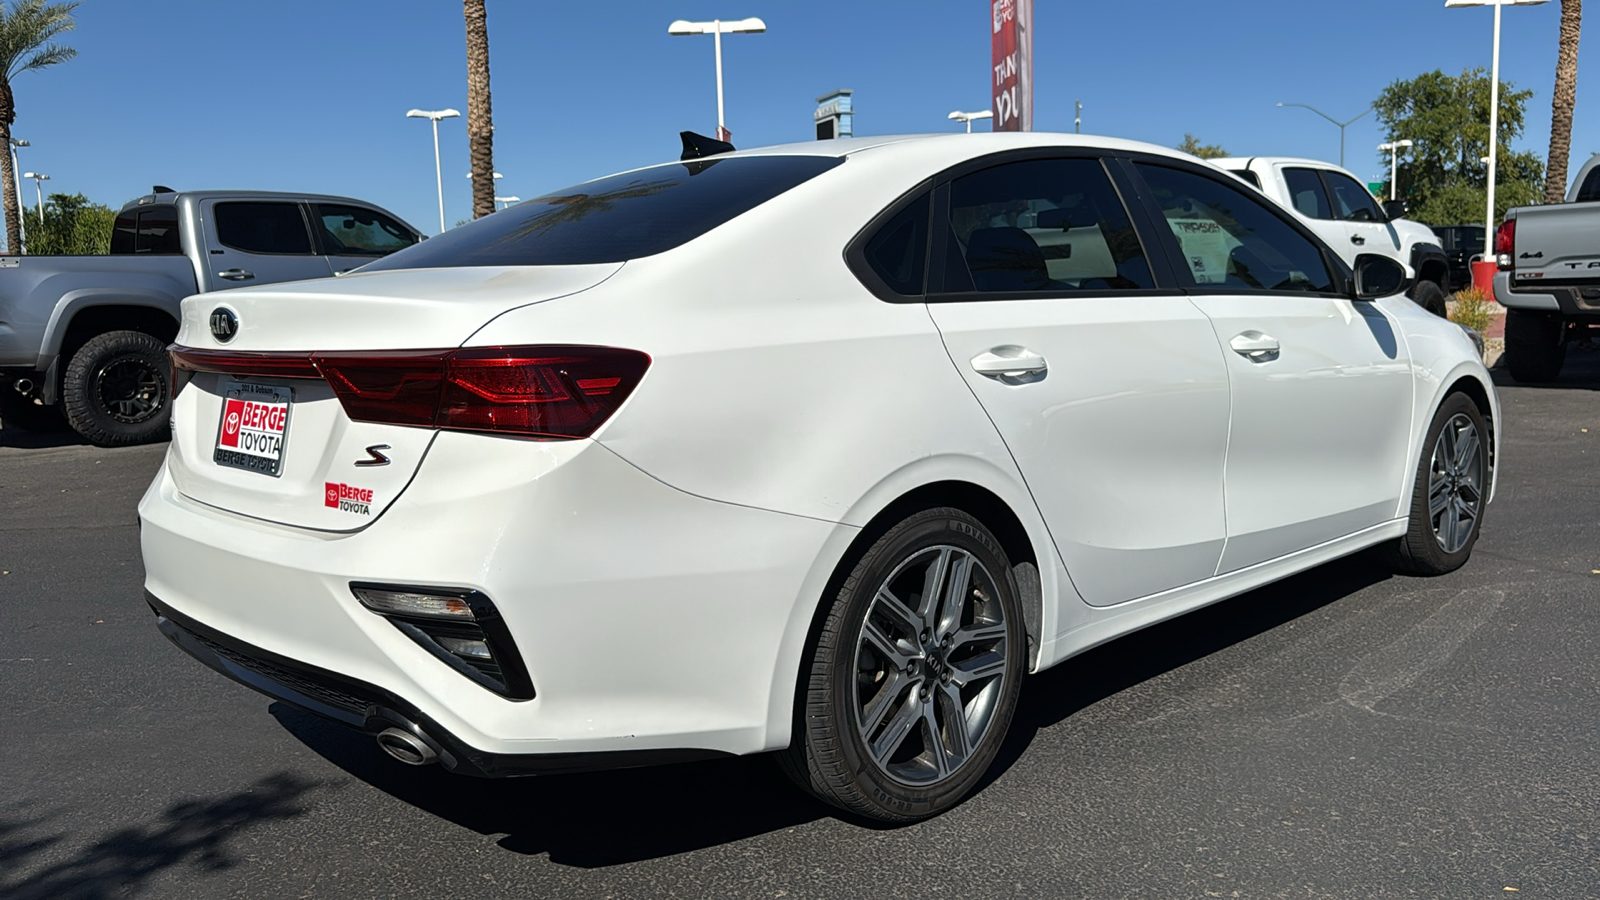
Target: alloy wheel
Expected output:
[129,389]
[930,665]
[1455,483]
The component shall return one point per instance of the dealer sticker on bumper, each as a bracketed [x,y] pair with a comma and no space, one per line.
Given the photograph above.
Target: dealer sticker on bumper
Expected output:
[254,427]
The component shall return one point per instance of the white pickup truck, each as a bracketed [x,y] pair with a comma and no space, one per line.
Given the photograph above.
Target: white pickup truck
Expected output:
[1343,213]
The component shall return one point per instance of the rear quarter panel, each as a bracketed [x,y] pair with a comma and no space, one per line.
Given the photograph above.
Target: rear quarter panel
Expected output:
[40,295]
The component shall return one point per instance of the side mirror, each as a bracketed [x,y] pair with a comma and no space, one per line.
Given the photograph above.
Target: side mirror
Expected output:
[1394,209]
[1378,276]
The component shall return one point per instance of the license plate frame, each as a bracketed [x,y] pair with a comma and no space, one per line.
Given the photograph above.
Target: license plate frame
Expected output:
[236,398]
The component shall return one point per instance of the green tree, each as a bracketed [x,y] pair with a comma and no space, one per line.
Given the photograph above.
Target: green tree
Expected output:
[72,226]
[1443,174]
[27,30]
[1192,146]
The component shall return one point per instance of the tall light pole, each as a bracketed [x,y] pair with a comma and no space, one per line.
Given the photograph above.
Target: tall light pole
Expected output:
[38,192]
[16,176]
[717,28]
[435,115]
[1342,125]
[1494,101]
[1394,161]
[967,117]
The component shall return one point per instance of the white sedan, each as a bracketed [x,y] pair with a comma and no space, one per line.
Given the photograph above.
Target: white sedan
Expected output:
[818,449]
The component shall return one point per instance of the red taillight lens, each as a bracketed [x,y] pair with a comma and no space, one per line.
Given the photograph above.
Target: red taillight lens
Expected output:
[1505,238]
[559,392]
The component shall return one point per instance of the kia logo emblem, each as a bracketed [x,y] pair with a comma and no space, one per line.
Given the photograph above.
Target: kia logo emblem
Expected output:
[224,324]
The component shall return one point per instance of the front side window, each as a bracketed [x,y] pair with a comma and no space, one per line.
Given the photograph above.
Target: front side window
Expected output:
[1041,225]
[263,227]
[1351,200]
[1306,193]
[1232,240]
[614,219]
[359,231]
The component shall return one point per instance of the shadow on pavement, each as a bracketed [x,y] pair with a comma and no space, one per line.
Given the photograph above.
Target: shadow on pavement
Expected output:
[194,834]
[1582,370]
[30,439]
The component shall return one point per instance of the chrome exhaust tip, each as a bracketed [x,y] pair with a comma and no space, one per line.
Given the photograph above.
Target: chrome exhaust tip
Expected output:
[24,386]
[406,747]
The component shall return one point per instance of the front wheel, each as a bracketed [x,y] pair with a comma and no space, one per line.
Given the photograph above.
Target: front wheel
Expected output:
[1430,297]
[1451,492]
[914,677]
[116,391]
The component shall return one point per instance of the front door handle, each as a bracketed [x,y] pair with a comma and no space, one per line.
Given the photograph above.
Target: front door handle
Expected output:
[1009,362]
[1255,346]
[236,274]
[1357,239]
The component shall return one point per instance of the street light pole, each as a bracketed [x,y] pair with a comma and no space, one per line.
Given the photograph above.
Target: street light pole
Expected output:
[1394,161]
[38,192]
[16,177]
[717,28]
[1342,125]
[434,116]
[1494,102]
[967,117]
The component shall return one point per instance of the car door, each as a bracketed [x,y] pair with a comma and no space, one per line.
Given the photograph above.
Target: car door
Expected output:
[1366,227]
[1105,383]
[258,242]
[353,235]
[1321,384]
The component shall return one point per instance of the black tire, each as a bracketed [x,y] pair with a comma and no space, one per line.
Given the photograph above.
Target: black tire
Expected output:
[17,411]
[1534,349]
[116,389]
[1423,549]
[1430,296]
[935,692]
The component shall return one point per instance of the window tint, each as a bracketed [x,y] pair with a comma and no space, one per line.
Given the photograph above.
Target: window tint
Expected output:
[1247,176]
[149,229]
[617,218]
[359,231]
[898,252]
[1305,191]
[1351,199]
[257,227]
[1230,239]
[1591,186]
[1040,225]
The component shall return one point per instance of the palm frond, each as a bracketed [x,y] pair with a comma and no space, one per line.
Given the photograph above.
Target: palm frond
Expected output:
[26,32]
[48,55]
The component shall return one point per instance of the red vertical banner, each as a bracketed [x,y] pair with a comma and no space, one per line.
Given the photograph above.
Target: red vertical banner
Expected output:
[1011,60]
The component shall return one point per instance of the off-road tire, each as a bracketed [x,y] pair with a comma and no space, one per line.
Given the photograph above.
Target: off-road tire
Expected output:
[1430,296]
[1534,349]
[98,370]
[829,756]
[1418,552]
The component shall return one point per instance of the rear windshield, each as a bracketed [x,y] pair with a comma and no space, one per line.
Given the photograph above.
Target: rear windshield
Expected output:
[617,218]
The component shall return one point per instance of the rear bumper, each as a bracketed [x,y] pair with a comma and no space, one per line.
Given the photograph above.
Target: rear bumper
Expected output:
[1575,304]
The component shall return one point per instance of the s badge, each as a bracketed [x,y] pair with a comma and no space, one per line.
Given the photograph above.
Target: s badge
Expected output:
[375,456]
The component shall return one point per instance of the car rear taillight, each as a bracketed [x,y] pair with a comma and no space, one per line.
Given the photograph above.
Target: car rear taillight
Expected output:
[1505,239]
[553,392]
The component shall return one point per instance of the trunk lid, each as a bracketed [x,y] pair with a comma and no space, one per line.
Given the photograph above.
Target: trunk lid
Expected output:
[1557,245]
[281,448]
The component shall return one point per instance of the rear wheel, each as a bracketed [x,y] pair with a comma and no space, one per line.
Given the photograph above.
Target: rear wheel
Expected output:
[116,391]
[915,675]
[1534,350]
[1451,492]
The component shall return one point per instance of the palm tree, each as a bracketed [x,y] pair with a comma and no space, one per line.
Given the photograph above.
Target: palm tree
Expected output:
[480,121]
[26,31]
[1563,102]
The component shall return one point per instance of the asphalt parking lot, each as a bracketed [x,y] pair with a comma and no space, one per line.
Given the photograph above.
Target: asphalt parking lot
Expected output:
[1346,733]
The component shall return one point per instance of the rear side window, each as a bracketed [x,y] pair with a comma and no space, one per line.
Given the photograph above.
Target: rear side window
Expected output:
[150,229]
[1591,186]
[898,252]
[1307,194]
[618,218]
[359,231]
[1247,176]
[263,227]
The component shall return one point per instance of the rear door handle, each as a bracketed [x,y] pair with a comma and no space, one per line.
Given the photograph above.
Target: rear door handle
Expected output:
[1008,362]
[236,274]
[1255,346]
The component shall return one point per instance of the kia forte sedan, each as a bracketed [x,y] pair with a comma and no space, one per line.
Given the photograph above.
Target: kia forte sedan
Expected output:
[817,450]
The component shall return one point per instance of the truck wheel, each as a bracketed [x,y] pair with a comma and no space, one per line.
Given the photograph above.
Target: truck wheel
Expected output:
[116,389]
[1430,297]
[1534,351]
[1451,492]
[17,411]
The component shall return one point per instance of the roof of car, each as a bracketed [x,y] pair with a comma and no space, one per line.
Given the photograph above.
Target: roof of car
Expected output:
[1244,162]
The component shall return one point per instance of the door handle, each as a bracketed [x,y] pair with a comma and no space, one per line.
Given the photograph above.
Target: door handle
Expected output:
[1255,346]
[236,274]
[1009,362]
[1357,239]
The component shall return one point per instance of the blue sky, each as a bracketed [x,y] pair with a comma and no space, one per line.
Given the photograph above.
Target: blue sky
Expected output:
[311,96]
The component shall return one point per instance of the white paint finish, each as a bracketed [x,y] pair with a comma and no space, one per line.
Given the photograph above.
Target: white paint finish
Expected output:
[1122,441]
[1320,436]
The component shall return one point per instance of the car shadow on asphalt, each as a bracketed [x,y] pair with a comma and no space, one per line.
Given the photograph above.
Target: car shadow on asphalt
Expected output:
[603,819]
[1581,370]
[120,863]
[26,439]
